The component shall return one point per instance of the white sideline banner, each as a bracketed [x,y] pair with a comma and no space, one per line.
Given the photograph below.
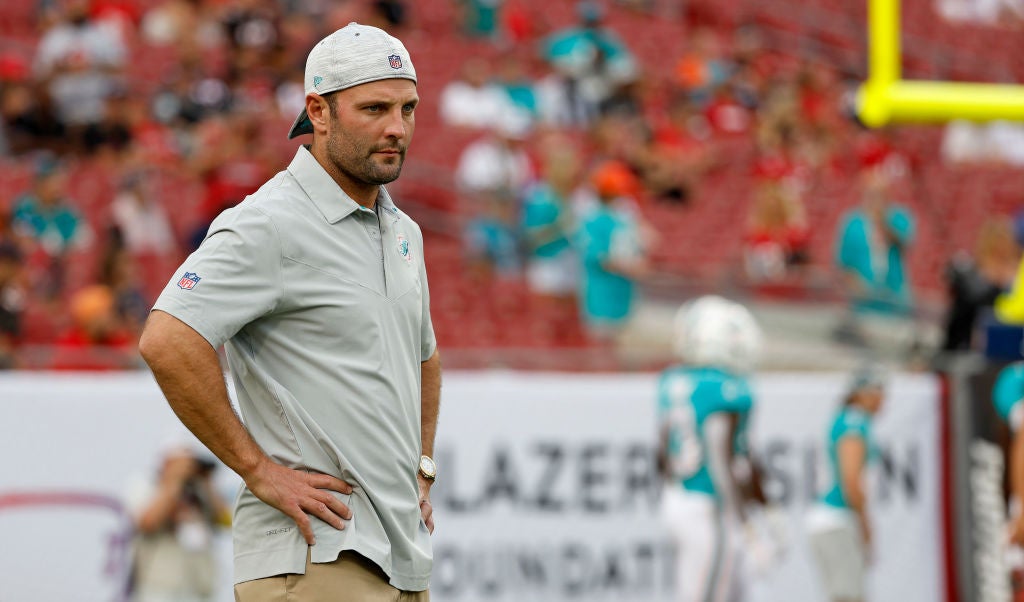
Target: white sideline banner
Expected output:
[547,489]
[72,445]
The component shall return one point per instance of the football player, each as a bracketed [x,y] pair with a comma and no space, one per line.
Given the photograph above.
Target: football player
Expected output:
[1007,394]
[704,409]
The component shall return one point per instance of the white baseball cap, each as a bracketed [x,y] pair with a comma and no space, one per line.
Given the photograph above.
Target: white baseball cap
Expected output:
[355,54]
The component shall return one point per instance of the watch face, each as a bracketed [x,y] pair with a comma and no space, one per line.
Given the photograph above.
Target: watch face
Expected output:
[427,466]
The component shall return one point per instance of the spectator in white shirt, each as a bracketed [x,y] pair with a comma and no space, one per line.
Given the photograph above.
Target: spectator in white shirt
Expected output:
[141,219]
[996,142]
[80,62]
[472,101]
[497,163]
[492,175]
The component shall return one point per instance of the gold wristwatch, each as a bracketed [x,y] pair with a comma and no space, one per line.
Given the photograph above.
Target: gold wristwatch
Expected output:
[428,468]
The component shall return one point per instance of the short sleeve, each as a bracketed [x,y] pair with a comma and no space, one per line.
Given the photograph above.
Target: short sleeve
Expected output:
[596,239]
[538,209]
[232,279]
[853,424]
[736,396]
[428,343]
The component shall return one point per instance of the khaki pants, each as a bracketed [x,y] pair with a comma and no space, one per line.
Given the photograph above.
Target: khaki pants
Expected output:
[350,578]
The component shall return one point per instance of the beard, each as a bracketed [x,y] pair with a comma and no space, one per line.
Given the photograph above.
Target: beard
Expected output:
[361,164]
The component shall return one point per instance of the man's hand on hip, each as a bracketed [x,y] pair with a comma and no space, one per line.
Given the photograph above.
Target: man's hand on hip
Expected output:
[1017,530]
[299,494]
[426,510]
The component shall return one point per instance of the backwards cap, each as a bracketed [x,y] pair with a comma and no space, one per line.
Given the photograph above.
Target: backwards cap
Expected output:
[868,375]
[355,54]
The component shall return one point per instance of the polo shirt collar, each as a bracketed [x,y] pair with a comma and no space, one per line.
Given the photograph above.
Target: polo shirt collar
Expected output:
[320,187]
[387,205]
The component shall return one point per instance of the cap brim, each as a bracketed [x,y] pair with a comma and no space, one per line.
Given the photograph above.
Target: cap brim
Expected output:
[301,126]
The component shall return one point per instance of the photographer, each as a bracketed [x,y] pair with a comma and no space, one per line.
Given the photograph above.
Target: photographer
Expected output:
[175,519]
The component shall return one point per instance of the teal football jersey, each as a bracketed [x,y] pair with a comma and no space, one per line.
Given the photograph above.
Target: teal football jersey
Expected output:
[851,422]
[1008,391]
[687,398]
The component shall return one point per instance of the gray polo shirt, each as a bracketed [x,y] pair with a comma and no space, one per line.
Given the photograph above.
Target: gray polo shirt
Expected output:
[324,311]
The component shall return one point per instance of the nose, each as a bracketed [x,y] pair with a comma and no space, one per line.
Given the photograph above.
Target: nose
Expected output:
[395,126]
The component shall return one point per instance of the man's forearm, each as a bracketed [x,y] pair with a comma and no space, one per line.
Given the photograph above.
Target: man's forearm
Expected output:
[430,401]
[188,371]
[756,487]
[857,501]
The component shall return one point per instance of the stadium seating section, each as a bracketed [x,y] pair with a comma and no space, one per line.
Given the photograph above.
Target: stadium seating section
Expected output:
[699,242]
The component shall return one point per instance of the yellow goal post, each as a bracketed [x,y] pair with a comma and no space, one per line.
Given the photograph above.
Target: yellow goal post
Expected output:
[886,98]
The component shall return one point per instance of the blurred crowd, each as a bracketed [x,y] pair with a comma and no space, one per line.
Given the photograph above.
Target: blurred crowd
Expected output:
[575,145]
[169,145]
[1007,13]
[578,141]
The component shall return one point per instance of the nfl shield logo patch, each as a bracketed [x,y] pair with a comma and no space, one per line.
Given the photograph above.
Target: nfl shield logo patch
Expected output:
[396,61]
[188,281]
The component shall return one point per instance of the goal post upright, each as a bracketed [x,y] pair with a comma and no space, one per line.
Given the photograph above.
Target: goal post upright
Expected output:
[887,98]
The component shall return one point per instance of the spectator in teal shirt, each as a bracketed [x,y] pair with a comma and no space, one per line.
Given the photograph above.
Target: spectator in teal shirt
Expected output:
[480,17]
[44,214]
[873,243]
[547,223]
[612,254]
[592,59]
[589,46]
[515,81]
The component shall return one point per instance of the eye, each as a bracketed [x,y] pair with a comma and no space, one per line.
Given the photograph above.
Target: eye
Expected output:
[409,108]
[373,108]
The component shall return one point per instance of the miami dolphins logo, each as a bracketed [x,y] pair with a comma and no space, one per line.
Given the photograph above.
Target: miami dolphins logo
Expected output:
[403,248]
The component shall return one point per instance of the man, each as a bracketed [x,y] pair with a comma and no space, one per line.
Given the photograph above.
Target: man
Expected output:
[97,338]
[872,246]
[593,61]
[176,516]
[45,219]
[611,250]
[547,224]
[470,100]
[704,409]
[46,216]
[1007,394]
[317,287]
[80,63]
[492,174]
[839,526]
[873,243]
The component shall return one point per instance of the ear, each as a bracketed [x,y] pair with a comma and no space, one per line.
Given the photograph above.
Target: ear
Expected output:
[319,113]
